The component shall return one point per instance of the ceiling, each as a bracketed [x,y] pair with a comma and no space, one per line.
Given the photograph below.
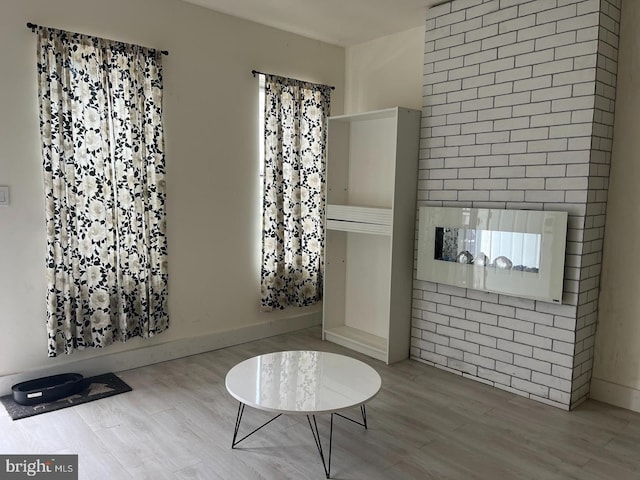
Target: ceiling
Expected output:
[340,22]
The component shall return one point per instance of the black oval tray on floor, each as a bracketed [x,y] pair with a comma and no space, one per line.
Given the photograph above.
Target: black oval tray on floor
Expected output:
[47,389]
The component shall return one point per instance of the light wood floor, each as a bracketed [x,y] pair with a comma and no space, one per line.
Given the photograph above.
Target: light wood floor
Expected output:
[177,423]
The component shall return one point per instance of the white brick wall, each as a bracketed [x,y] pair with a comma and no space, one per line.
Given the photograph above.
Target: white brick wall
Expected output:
[518,113]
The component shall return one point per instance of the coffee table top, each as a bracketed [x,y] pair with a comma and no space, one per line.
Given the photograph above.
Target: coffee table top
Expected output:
[302,382]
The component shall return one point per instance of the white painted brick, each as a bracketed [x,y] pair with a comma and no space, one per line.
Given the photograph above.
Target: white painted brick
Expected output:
[551,93]
[455,140]
[480,33]
[576,76]
[576,50]
[466,303]
[513,324]
[497,332]
[508,148]
[563,347]
[526,184]
[528,159]
[464,49]
[517,24]
[492,161]
[553,357]
[497,89]
[533,58]
[588,6]
[462,366]
[532,364]
[574,130]
[561,118]
[536,32]
[490,184]
[499,40]
[550,381]
[465,117]
[533,340]
[557,66]
[437,33]
[479,127]
[454,17]
[507,172]
[556,14]
[577,23]
[465,346]
[464,72]
[511,123]
[535,317]
[479,104]
[444,87]
[449,352]
[513,347]
[554,333]
[535,7]
[512,99]
[561,372]
[533,388]
[481,57]
[478,360]
[494,137]
[514,74]
[466,26]
[558,40]
[474,150]
[532,109]
[483,9]
[586,34]
[438,10]
[494,353]
[513,370]
[494,376]
[532,83]
[546,171]
[541,133]
[473,173]
[450,64]
[573,103]
[516,49]
[495,113]
[497,65]
[557,144]
[560,397]
[464,324]
[444,44]
[433,357]
[479,81]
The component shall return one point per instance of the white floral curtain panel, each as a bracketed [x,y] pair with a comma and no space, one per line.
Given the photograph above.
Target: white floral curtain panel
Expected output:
[295,137]
[104,178]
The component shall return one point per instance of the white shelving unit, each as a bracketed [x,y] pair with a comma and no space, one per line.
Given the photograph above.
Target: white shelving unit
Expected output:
[372,167]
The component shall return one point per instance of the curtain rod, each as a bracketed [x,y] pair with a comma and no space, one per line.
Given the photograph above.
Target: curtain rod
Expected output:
[33,28]
[258,72]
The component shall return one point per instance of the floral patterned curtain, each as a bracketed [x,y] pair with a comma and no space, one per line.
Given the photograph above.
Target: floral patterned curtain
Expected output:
[104,179]
[295,137]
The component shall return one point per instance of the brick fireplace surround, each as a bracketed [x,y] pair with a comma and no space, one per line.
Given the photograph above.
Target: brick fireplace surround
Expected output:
[518,113]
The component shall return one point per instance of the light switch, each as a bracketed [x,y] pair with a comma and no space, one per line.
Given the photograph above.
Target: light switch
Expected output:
[4,195]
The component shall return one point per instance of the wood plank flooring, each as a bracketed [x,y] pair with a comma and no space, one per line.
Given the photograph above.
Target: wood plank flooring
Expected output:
[177,423]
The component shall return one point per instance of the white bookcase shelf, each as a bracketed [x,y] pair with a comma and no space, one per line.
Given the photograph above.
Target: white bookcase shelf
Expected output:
[372,170]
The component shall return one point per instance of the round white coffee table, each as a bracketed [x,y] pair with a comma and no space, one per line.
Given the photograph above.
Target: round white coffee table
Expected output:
[302,383]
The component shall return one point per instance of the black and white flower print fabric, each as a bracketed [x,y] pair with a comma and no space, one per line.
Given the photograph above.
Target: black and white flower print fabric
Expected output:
[295,137]
[104,179]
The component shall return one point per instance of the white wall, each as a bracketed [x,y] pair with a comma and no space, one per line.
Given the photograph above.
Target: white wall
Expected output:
[385,72]
[210,106]
[616,374]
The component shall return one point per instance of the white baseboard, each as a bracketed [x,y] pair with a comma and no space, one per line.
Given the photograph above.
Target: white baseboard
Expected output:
[614,394]
[184,347]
